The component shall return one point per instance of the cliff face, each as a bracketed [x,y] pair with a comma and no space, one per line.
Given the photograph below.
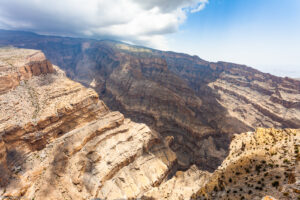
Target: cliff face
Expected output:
[200,104]
[54,130]
[263,163]
[26,64]
[59,141]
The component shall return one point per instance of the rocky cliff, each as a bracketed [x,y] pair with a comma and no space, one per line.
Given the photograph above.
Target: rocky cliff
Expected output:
[198,103]
[261,163]
[59,141]
[54,130]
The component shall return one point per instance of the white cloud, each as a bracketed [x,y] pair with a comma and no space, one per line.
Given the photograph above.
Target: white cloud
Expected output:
[138,21]
[199,7]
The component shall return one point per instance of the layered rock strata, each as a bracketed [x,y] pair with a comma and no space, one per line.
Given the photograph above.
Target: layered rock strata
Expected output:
[181,186]
[17,67]
[199,103]
[59,141]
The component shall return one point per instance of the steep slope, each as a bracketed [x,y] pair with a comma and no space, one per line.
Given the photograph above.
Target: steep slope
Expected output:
[181,186]
[263,163]
[198,103]
[59,141]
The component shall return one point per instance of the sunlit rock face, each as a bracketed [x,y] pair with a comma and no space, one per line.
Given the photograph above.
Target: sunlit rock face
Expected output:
[198,103]
[261,165]
[59,141]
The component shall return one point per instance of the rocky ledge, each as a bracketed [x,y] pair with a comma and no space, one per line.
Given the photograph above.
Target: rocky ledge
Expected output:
[21,65]
[192,105]
[59,141]
[198,103]
[260,164]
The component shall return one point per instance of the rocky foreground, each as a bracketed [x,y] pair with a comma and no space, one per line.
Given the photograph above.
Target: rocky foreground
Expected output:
[265,162]
[59,141]
[200,104]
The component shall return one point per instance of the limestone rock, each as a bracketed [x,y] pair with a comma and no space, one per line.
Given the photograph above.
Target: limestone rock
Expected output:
[260,164]
[59,141]
[18,65]
[181,186]
[195,101]
[55,130]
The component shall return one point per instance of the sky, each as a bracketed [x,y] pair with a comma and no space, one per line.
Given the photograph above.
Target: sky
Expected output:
[264,34]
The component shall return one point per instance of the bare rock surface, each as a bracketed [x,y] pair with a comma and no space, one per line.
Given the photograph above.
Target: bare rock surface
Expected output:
[59,141]
[261,165]
[54,130]
[20,65]
[181,186]
[199,103]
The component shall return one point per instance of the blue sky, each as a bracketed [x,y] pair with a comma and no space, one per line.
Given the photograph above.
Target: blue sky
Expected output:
[264,34]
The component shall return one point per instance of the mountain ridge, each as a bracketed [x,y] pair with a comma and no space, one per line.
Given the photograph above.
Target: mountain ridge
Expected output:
[186,123]
[177,95]
[3,31]
[58,140]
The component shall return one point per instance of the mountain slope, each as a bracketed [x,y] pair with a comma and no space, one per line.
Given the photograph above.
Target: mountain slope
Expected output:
[260,163]
[198,103]
[59,141]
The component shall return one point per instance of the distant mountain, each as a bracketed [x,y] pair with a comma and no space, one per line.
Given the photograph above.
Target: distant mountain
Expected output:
[199,103]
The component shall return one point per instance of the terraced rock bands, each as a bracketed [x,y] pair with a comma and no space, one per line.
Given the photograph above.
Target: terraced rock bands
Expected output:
[178,135]
[73,141]
[200,104]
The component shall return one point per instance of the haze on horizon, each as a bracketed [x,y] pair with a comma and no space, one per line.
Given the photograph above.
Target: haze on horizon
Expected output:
[262,34]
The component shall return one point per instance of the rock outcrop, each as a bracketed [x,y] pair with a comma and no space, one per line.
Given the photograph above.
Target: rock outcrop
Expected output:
[53,129]
[199,103]
[179,187]
[16,67]
[260,164]
[59,141]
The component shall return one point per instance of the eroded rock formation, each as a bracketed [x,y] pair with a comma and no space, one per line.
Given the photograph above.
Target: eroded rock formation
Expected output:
[26,64]
[260,163]
[199,103]
[59,141]
[181,186]
[56,130]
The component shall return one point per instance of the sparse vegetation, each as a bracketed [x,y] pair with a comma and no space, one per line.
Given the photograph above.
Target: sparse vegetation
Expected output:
[286,194]
[275,184]
[286,161]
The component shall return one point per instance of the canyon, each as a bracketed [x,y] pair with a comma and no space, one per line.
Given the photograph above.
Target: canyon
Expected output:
[54,130]
[198,103]
[136,122]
